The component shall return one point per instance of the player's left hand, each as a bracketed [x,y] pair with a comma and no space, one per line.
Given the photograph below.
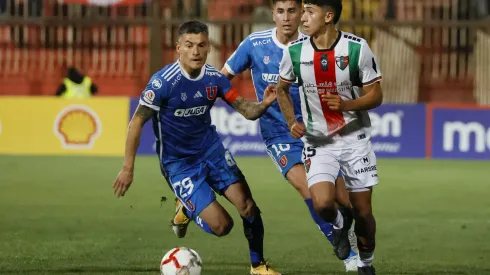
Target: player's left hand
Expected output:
[270,95]
[123,182]
[334,101]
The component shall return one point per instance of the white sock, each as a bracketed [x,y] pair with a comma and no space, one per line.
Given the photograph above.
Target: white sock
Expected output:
[338,223]
[365,259]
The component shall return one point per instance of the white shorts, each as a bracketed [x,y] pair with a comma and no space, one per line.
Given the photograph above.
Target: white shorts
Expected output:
[357,164]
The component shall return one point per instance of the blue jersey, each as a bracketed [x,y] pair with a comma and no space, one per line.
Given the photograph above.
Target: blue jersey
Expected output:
[182,125]
[262,53]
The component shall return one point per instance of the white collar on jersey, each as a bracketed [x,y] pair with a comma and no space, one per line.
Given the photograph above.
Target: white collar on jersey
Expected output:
[278,43]
[186,75]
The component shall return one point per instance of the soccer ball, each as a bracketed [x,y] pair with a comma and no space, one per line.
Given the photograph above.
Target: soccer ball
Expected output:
[181,261]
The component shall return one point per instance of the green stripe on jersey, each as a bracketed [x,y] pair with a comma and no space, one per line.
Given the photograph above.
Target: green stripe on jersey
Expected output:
[354,55]
[295,53]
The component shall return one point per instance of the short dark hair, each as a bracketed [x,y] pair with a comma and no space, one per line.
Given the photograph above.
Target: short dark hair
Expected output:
[336,5]
[299,2]
[193,27]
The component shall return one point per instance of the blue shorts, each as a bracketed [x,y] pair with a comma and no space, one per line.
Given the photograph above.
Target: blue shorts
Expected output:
[196,185]
[286,152]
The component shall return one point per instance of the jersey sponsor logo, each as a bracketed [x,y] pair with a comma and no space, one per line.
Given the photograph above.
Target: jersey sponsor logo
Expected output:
[342,62]
[211,92]
[195,111]
[213,73]
[267,60]
[344,86]
[307,63]
[77,127]
[156,84]
[366,169]
[149,96]
[262,42]
[324,62]
[464,131]
[183,96]
[270,78]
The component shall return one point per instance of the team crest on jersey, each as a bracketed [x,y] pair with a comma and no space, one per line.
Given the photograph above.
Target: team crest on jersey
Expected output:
[183,96]
[190,205]
[342,62]
[283,161]
[324,62]
[211,92]
[307,165]
[267,59]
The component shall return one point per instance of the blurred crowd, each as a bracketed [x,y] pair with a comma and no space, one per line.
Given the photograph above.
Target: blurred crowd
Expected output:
[388,9]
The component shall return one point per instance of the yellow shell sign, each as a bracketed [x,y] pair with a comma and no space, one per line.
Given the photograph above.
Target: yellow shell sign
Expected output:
[77,127]
[56,126]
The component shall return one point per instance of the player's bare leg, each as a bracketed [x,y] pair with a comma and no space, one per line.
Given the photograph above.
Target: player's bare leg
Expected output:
[341,194]
[323,196]
[215,217]
[365,229]
[297,177]
[240,196]
[342,198]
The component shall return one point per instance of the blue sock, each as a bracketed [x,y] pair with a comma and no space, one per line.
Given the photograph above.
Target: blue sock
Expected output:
[254,232]
[325,227]
[202,224]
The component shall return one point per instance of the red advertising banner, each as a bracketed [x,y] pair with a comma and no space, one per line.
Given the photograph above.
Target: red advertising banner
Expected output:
[106,2]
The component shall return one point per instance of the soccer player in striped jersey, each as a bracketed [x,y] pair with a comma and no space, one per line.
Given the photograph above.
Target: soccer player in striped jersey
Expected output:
[262,52]
[193,160]
[339,81]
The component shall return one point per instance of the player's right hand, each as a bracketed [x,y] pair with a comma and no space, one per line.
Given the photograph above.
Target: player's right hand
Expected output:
[123,182]
[297,129]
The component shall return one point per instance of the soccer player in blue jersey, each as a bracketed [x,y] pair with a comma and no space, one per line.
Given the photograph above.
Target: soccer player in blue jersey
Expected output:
[262,52]
[193,160]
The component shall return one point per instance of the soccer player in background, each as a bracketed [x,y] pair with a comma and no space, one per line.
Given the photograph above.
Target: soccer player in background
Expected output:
[262,52]
[193,160]
[339,80]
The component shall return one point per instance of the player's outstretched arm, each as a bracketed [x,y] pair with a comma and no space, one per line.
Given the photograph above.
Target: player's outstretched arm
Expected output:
[125,176]
[254,110]
[287,108]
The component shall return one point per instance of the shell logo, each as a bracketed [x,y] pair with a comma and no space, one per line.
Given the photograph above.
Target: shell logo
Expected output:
[77,127]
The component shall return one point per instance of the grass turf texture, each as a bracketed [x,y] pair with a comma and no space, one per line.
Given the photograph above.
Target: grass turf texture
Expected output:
[58,216]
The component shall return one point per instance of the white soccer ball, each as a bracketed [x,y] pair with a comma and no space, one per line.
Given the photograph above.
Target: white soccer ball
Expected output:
[181,261]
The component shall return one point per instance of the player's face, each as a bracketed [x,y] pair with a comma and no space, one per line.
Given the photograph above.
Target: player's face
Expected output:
[287,16]
[315,18]
[193,50]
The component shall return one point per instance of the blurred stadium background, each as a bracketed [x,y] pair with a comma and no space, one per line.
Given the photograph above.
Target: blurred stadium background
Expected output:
[59,157]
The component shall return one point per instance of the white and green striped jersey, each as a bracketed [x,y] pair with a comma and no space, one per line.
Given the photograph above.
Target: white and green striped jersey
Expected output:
[344,69]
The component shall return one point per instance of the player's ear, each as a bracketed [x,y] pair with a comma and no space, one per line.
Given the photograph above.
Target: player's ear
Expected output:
[329,15]
[177,47]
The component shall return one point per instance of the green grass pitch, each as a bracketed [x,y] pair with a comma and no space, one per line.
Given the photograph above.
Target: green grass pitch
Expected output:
[58,216]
